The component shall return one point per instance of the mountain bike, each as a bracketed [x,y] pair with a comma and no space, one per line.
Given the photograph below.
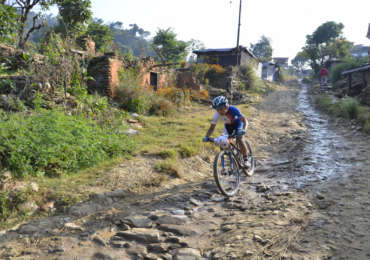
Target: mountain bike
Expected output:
[227,165]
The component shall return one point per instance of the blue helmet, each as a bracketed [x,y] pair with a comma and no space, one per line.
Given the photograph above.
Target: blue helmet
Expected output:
[219,102]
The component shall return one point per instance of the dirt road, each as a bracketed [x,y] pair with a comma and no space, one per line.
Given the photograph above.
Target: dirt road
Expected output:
[309,199]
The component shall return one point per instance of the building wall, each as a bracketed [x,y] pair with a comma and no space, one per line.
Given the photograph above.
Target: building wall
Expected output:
[104,70]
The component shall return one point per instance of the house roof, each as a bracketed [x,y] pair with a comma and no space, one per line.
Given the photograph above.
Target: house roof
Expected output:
[365,67]
[224,50]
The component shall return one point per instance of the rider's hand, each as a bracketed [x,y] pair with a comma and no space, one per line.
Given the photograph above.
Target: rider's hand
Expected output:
[205,139]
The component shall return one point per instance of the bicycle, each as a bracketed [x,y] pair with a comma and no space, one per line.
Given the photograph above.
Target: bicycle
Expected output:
[227,163]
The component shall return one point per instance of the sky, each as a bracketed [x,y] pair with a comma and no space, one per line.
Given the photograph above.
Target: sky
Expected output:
[214,22]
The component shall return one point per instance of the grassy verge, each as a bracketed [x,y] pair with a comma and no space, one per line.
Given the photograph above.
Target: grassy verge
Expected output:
[348,108]
[168,139]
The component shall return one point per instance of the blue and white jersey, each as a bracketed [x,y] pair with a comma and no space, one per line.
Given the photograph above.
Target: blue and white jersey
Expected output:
[232,116]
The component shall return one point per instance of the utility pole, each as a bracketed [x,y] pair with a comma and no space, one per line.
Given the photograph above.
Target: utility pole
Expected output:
[237,41]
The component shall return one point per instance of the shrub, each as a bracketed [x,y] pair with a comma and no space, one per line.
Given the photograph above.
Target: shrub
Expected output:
[248,75]
[348,108]
[335,72]
[169,167]
[132,97]
[187,151]
[50,142]
[366,128]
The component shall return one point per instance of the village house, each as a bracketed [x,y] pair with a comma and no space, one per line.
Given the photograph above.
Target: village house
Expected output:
[281,61]
[268,71]
[227,57]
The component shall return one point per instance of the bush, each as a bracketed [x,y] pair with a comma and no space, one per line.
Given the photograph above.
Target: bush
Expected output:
[336,71]
[249,76]
[169,167]
[50,142]
[132,97]
[348,108]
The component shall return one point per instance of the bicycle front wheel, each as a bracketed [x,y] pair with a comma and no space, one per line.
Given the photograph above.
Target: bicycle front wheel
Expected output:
[226,173]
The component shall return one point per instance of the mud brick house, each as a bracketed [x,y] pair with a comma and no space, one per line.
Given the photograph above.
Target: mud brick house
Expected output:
[154,75]
[105,71]
[227,57]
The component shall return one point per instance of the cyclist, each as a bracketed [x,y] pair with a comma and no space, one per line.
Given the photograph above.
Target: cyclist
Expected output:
[233,120]
[323,76]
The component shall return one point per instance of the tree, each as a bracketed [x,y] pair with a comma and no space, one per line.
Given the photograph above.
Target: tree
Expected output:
[325,44]
[167,47]
[299,61]
[262,49]
[192,46]
[8,21]
[131,41]
[75,14]
[24,8]
[100,33]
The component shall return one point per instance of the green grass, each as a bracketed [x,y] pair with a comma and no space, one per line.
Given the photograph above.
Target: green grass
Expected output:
[169,167]
[51,143]
[348,108]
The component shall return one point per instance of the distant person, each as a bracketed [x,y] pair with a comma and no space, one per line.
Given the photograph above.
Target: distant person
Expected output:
[323,76]
[234,122]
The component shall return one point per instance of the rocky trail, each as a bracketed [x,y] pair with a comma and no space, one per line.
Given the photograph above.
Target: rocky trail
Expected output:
[309,199]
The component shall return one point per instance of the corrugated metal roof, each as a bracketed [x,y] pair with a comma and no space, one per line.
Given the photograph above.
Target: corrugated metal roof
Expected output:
[358,69]
[215,50]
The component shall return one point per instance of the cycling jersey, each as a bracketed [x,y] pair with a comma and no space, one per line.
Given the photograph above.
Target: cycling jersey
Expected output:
[232,116]
[231,120]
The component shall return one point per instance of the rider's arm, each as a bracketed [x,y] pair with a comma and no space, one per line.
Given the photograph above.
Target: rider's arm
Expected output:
[244,121]
[210,130]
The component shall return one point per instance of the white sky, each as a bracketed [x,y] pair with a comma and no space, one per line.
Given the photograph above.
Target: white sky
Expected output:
[214,22]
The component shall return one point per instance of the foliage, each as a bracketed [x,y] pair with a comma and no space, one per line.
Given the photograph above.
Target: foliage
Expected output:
[51,142]
[10,201]
[249,77]
[131,41]
[325,44]
[24,8]
[348,108]
[167,47]
[300,61]
[192,46]
[7,23]
[74,14]
[210,74]
[349,63]
[132,97]
[169,167]
[216,75]
[100,33]
[262,49]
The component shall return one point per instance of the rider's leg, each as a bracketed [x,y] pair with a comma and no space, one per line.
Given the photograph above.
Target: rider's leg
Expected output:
[241,144]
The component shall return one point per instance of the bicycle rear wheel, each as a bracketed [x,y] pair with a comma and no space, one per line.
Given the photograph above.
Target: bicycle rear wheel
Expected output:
[226,173]
[252,163]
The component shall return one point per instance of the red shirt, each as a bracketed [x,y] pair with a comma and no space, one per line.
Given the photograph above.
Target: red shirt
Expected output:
[324,72]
